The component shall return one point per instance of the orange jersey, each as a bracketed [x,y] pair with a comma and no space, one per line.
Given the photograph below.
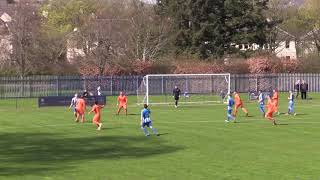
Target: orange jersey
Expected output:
[271,105]
[122,100]
[275,96]
[81,104]
[237,99]
[96,109]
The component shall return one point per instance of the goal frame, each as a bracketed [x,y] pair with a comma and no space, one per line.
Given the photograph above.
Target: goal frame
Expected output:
[146,77]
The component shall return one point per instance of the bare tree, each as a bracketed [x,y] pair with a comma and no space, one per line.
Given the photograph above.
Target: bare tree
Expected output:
[24,29]
[150,32]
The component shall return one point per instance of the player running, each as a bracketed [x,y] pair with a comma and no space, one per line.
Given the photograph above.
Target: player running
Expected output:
[122,103]
[146,121]
[97,117]
[275,98]
[176,95]
[73,105]
[271,105]
[239,104]
[230,104]
[291,104]
[261,103]
[80,108]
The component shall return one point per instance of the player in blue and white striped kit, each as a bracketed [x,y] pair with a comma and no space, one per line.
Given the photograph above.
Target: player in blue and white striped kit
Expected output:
[74,104]
[146,121]
[230,104]
[261,103]
[291,104]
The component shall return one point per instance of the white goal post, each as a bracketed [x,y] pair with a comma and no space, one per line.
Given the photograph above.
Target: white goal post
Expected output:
[195,88]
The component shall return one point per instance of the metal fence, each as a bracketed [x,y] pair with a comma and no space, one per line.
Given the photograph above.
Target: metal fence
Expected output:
[35,86]
[267,82]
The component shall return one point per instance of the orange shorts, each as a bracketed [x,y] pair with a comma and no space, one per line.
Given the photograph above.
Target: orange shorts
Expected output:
[239,105]
[124,106]
[269,114]
[80,111]
[96,119]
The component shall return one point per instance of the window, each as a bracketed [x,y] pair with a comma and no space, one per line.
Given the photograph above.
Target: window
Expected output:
[288,57]
[287,44]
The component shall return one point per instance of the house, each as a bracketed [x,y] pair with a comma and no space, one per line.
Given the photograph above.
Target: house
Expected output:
[285,46]
[5,19]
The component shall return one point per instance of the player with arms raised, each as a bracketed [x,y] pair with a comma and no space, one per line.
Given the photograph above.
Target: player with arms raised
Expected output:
[97,117]
[146,121]
[122,103]
[239,104]
[229,109]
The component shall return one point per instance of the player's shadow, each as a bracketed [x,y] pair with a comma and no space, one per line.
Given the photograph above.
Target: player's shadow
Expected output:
[133,114]
[38,153]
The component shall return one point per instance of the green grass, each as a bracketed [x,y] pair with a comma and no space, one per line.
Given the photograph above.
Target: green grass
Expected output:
[195,144]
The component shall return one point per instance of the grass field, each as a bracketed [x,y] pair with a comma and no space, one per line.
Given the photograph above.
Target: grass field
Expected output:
[195,144]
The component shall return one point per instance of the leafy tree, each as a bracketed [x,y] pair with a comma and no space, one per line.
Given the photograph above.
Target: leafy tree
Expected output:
[210,28]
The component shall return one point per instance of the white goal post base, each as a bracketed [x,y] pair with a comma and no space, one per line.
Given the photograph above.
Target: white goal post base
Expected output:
[195,88]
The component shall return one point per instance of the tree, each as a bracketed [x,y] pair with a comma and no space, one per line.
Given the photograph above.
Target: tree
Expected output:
[148,31]
[24,29]
[310,14]
[210,28]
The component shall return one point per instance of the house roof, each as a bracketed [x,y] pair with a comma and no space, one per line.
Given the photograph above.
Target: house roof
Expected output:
[310,34]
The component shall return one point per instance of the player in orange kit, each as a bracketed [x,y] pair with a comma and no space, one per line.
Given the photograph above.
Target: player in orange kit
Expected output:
[81,108]
[239,104]
[97,117]
[122,103]
[275,98]
[271,105]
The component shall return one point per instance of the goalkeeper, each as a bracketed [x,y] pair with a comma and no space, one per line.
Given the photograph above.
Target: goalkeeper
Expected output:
[176,95]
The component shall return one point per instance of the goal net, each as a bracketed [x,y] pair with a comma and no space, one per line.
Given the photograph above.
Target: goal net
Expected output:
[195,88]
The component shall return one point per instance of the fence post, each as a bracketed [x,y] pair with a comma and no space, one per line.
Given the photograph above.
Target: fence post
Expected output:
[30,87]
[57,85]
[111,84]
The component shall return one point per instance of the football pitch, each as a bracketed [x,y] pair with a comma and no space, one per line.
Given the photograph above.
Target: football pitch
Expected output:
[194,143]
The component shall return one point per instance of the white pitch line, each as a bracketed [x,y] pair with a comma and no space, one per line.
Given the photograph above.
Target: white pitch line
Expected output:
[160,122]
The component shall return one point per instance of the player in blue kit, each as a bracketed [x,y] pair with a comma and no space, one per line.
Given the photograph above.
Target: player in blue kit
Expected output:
[291,104]
[230,104]
[146,121]
[261,103]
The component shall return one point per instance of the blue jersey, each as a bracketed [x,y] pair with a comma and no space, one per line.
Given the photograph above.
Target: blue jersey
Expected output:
[261,99]
[145,115]
[230,103]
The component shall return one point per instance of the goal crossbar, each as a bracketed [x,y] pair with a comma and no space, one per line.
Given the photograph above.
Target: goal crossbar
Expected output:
[195,84]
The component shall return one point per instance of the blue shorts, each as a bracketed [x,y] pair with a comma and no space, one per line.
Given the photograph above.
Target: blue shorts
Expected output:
[291,105]
[148,124]
[261,108]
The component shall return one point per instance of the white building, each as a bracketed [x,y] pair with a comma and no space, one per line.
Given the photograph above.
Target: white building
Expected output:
[286,50]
